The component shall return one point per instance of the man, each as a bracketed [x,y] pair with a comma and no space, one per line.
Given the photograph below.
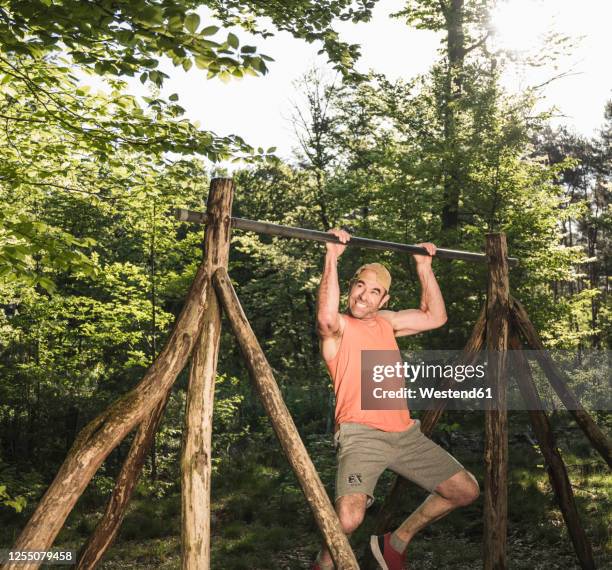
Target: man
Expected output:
[369,441]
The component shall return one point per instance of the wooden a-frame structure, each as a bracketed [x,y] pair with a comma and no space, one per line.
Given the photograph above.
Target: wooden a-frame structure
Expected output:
[503,324]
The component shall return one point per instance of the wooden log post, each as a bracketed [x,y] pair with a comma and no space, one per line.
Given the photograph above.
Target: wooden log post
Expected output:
[559,382]
[496,419]
[557,474]
[108,526]
[196,466]
[107,430]
[430,418]
[283,425]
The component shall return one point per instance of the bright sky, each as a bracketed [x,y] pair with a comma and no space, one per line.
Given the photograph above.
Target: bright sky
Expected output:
[258,108]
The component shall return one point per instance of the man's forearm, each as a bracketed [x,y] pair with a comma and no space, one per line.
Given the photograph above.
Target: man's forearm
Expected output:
[328,301]
[432,301]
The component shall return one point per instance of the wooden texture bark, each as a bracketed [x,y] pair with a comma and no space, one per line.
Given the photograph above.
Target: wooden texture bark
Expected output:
[283,425]
[106,431]
[557,474]
[496,419]
[107,528]
[196,466]
[559,383]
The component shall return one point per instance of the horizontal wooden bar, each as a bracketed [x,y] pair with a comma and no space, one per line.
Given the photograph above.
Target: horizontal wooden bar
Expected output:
[267,228]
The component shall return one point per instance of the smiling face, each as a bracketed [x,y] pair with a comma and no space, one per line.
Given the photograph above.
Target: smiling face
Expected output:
[366,296]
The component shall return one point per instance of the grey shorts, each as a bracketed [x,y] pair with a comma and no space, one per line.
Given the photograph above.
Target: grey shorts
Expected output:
[364,452]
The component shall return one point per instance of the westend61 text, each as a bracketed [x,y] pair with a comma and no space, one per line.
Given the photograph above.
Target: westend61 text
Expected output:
[413,371]
[432,393]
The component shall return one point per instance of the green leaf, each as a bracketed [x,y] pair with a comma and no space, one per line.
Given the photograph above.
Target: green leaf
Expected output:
[18,503]
[232,40]
[202,62]
[258,65]
[209,31]
[248,49]
[174,97]
[150,15]
[192,22]
[46,284]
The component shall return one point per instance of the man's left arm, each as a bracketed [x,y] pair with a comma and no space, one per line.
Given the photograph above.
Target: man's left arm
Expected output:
[432,313]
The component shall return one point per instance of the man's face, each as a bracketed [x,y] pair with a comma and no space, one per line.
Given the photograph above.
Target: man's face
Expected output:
[366,296]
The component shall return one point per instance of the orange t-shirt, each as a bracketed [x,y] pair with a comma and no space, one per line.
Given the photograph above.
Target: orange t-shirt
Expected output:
[345,371]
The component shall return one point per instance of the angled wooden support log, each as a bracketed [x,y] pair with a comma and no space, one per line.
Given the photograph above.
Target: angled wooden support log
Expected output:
[196,456]
[555,467]
[559,382]
[283,425]
[430,418]
[496,419]
[107,430]
[107,528]
[470,353]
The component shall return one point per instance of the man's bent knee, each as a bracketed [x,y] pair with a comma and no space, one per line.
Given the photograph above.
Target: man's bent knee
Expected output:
[461,489]
[351,510]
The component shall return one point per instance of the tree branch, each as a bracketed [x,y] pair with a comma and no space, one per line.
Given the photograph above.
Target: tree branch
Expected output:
[477,44]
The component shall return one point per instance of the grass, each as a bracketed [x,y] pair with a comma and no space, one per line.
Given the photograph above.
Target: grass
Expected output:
[260,519]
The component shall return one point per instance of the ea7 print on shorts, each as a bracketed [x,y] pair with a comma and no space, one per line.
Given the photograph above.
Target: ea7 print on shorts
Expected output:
[365,452]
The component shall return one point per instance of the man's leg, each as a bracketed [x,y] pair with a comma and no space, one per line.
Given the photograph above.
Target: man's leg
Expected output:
[363,454]
[458,491]
[351,510]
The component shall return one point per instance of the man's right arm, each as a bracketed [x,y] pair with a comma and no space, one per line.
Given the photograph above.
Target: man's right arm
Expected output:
[330,323]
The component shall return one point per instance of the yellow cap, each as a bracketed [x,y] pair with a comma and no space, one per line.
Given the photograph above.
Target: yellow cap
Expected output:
[382,274]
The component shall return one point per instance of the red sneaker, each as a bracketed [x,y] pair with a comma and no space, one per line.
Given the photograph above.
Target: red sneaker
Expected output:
[387,557]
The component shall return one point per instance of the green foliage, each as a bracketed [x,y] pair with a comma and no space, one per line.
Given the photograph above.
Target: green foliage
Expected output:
[63,146]
[26,244]
[124,38]
[128,38]
[94,268]
[17,503]
[311,20]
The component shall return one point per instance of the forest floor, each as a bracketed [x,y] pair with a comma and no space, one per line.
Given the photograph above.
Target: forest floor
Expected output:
[262,522]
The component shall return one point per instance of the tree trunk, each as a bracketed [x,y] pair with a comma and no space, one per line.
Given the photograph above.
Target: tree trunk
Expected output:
[153,324]
[455,47]
[496,419]
[283,425]
[197,437]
